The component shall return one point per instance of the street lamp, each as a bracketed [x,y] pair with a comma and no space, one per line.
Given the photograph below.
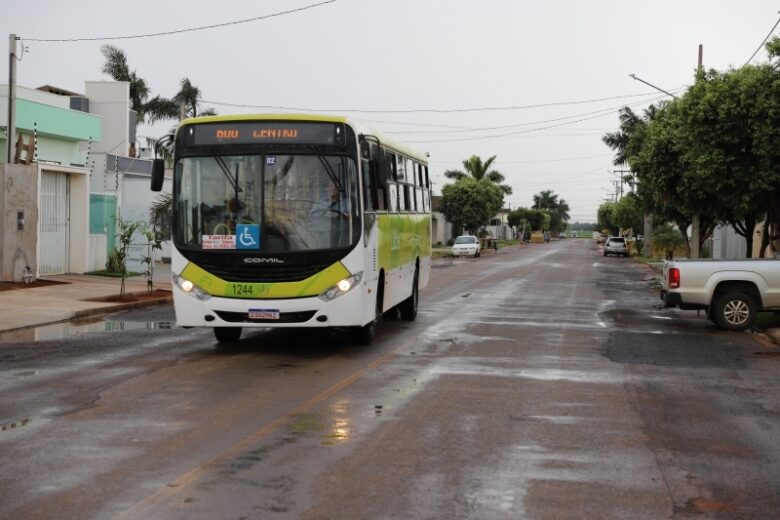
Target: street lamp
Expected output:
[633,76]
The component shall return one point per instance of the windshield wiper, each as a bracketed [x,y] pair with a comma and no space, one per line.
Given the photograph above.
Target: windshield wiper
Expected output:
[329,169]
[221,163]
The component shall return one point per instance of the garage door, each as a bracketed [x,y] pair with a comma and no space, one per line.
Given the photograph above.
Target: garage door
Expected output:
[53,236]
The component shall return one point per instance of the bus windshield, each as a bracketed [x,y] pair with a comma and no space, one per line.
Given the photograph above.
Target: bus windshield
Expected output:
[266,203]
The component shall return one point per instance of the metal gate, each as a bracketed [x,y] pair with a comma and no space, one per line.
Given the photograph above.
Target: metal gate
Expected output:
[53,236]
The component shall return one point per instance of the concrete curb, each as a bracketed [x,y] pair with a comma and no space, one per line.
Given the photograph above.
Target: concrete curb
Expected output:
[773,334]
[110,309]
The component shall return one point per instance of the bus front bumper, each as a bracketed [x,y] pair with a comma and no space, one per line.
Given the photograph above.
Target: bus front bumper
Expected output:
[344,311]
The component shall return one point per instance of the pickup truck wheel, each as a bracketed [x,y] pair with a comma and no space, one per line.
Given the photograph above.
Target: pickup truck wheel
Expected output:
[735,311]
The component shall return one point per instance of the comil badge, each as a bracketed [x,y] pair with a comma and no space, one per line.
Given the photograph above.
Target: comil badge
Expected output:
[247,236]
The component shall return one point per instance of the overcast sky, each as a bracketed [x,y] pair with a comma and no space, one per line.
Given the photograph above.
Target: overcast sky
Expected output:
[411,67]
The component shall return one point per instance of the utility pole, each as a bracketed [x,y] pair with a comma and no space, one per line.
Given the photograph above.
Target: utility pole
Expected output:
[11,96]
[695,222]
[622,179]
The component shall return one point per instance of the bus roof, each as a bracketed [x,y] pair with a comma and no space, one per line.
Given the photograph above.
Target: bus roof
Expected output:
[358,126]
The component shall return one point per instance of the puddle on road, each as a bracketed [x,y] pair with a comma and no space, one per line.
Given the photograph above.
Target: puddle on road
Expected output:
[68,329]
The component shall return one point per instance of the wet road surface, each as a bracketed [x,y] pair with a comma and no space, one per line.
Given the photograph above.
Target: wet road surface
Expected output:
[540,382]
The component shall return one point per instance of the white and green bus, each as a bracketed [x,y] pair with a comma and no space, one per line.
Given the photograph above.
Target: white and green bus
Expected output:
[295,221]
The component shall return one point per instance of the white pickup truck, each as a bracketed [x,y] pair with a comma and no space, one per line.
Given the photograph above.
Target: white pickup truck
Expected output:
[731,291]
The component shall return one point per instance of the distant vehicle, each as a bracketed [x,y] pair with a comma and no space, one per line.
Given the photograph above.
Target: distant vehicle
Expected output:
[574,234]
[466,245]
[616,246]
[561,235]
[602,238]
[731,291]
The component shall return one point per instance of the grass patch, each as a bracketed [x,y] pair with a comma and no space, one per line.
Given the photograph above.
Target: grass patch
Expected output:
[111,274]
[441,252]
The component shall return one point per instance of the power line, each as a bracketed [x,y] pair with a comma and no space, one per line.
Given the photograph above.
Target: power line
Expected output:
[763,42]
[531,162]
[179,31]
[423,110]
[577,176]
[514,125]
[518,132]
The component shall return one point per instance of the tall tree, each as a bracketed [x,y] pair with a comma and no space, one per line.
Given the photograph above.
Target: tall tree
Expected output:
[627,212]
[606,218]
[476,169]
[116,66]
[189,99]
[728,117]
[185,103]
[547,200]
[471,203]
[666,179]
[620,140]
[626,141]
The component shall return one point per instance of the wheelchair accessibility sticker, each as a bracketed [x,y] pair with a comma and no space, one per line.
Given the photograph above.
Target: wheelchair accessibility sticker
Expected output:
[247,236]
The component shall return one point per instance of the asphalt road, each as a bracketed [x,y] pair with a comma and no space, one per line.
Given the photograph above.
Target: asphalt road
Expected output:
[541,382]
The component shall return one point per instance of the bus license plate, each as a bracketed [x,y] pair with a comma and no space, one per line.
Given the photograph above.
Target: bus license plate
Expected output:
[263,314]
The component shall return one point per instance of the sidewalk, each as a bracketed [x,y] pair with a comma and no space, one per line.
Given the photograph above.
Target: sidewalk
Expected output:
[22,308]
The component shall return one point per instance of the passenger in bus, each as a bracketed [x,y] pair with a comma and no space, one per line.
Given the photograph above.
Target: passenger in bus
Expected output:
[329,219]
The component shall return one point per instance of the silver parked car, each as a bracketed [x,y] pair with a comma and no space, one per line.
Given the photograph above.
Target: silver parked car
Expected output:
[616,246]
[466,245]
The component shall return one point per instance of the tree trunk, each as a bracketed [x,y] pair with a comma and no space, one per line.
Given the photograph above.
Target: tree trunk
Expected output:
[683,227]
[764,239]
[647,246]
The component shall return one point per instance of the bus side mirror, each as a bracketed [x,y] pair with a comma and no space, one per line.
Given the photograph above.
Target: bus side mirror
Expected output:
[158,174]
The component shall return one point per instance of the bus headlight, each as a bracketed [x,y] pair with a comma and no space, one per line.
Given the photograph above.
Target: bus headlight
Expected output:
[190,288]
[342,287]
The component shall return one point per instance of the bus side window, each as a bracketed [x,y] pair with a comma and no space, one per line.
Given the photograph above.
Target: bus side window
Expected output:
[420,197]
[401,168]
[393,200]
[427,183]
[391,166]
[401,197]
[369,193]
[381,199]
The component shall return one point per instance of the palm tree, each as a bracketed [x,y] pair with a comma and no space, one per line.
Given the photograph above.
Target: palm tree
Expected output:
[478,170]
[188,98]
[620,142]
[548,200]
[116,66]
[563,209]
[184,104]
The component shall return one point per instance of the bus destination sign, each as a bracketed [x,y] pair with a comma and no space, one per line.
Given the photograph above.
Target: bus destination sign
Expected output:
[265,132]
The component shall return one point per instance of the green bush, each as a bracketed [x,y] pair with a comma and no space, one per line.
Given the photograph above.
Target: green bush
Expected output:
[668,239]
[115,262]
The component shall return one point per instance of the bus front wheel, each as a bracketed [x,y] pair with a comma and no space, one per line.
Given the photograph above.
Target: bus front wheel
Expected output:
[365,335]
[227,334]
